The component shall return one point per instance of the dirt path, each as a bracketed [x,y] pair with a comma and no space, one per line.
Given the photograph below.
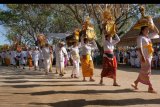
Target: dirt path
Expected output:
[34,89]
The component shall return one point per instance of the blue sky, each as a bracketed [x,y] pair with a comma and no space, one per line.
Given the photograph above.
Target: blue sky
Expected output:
[3,39]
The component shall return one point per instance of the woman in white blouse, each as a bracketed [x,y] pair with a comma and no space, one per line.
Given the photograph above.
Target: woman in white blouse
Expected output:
[109,60]
[145,51]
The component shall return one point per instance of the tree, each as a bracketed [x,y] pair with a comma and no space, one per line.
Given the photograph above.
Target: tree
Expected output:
[28,20]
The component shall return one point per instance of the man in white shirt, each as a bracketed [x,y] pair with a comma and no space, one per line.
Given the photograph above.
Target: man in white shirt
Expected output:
[18,58]
[155,60]
[24,58]
[61,54]
[46,56]
[3,57]
[13,57]
[137,60]
[41,59]
[132,59]
[35,56]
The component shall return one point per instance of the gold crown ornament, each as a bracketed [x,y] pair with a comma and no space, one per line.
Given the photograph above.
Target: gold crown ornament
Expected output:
[76,34]
[41,39]
[109,23]
[6,47]
[89,29]
[144,20]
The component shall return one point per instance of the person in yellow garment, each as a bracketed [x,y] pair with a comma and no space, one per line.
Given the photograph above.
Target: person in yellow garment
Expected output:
[29,57]
[145,50]
[86,59]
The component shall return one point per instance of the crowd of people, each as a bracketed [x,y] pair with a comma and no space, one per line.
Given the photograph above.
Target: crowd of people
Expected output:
[130,57]
[31,57]
[43,58]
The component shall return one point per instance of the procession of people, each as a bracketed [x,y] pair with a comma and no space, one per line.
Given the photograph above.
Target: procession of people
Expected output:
[42,55]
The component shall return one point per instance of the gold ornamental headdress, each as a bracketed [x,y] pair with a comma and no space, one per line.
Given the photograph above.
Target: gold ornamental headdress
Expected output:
[89,29]
[76,34]
[86,22]
[144,20]
[5,47]
[109,23]
[41,39]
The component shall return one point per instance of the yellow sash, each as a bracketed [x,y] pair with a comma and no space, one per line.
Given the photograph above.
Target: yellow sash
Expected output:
[149,47]
[86,57]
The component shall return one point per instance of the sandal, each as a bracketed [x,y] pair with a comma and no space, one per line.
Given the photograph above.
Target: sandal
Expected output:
[152,91]
[101,82]
[61,75]
[84,80]
[116,85]
[72,76]
[92,80]
[76,77]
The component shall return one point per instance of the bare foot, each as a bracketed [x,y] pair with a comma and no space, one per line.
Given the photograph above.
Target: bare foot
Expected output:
[134,86]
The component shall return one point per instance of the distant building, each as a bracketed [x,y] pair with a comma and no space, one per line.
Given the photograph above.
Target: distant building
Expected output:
[56,37]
